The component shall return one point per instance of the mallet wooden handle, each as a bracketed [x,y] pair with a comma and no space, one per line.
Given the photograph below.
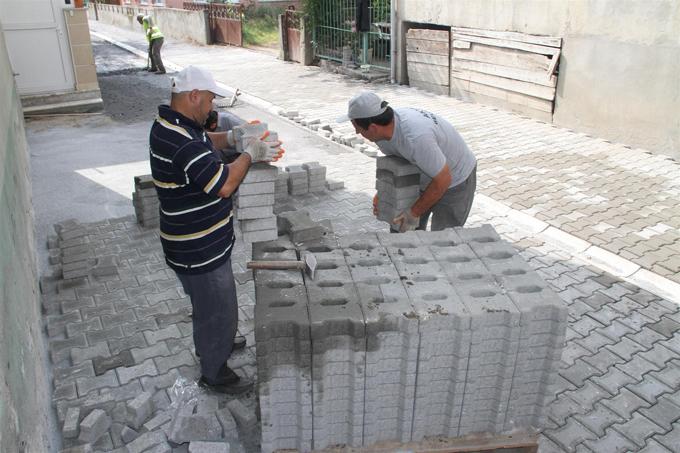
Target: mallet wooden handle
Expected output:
[275,265]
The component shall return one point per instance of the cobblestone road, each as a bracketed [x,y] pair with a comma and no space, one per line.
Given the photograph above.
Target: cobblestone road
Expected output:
[122,327]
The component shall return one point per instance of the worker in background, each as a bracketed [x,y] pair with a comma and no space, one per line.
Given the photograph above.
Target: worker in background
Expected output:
[448,167]
[155,39]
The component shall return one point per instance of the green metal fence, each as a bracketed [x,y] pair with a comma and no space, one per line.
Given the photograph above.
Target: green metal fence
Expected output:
[335,37]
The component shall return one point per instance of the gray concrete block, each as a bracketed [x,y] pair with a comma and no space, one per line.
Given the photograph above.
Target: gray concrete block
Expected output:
[139,409]
[128,434]
[260,235]
[335,185]
[187,428]
[266,223]
[244,417]
[229,427]
[248,201]
[71,423]
[261,171]
[396,165]
[94,426]
[147,441]
[258,212]
[256,188]
[208,447]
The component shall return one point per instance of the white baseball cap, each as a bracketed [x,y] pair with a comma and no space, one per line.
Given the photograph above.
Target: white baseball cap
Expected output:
[195,78]
[366,104]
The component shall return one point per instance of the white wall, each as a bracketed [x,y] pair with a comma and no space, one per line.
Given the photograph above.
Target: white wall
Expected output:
[24,388]
[620,68]
[174,23]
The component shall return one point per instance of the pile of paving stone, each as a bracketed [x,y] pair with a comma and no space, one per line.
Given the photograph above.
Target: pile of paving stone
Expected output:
[326,130]
[120,341]
[398,186]
[403,336]
[145,201]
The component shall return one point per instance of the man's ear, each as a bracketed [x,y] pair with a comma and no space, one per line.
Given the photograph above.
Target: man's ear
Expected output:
[194,96]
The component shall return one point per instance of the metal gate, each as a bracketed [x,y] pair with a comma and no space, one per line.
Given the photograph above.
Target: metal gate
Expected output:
[335,37]
[225,21]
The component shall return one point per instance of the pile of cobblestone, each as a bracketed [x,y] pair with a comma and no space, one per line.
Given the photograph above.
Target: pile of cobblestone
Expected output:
[399,337]
[398,184]
[326,130]
[120,341]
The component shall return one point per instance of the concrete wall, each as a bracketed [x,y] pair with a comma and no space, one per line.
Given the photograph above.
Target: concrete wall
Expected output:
[619,69]
[24,389]
[81,49]
[174,23]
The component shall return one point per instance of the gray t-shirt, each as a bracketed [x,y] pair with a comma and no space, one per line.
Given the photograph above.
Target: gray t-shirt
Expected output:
[429,141]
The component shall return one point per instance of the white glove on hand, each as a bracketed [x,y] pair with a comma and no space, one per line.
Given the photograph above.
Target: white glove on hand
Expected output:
[406,221]
[260,151]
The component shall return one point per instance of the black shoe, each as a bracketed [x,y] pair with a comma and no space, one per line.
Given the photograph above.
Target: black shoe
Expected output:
[160,71]
[231,384]
[239,343]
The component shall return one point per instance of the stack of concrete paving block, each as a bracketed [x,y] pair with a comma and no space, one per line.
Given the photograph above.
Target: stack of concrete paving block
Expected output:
[408,335]
[145,201]
[284,361]
[398,185]
[392,340]
[255,212]
[338,349]
[316,174]
[298,180]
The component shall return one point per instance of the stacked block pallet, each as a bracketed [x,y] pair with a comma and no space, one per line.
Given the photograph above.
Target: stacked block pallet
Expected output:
[401,337]
[145,202]
[256,196]
[398,185]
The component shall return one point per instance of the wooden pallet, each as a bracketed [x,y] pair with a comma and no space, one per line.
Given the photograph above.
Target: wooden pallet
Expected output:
[519,442]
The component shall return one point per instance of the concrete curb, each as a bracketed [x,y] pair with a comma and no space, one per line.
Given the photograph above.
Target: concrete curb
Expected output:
[578,248]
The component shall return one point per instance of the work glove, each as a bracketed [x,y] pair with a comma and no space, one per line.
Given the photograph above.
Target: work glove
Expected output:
[406,221]
[261,151]
[375,205]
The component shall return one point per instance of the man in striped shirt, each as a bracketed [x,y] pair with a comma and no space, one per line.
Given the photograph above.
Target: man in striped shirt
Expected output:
[196,224]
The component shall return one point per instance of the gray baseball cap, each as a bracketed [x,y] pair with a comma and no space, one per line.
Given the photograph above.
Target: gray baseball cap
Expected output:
[366,104]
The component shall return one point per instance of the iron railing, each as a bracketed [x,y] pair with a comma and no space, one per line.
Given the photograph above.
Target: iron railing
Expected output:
[335,37]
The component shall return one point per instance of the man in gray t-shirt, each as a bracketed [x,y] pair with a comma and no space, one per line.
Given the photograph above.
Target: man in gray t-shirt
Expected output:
[449,169]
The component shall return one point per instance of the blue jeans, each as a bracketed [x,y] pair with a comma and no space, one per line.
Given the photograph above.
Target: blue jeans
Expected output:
[215,317]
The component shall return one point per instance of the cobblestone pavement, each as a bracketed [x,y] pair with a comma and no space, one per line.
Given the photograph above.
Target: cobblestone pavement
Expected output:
[620,199]
[120,327]
[125,329]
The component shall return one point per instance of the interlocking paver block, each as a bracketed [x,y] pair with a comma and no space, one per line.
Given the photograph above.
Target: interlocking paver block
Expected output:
[638,429]
[87,384]
[146,368]
[187,428]
[613,441]
[146,441]
[139,409]
[71,423]
[570,435]
[94,426]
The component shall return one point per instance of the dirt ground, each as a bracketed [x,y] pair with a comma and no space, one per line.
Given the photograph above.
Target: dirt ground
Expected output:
[130,93]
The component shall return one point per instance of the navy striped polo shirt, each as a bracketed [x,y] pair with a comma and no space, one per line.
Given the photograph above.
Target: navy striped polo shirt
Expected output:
[196,224]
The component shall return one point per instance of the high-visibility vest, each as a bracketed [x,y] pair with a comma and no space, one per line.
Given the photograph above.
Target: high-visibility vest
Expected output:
[150,30]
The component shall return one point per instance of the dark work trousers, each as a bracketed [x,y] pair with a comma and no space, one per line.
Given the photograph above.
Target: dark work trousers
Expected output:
[215,317]
[155,55]
[453,207]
